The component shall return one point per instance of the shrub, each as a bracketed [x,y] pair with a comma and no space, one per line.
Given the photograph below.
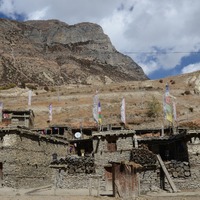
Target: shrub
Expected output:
[173,82]
[23,85]
[154,108]
[31,87]
[187,92]
[191,109]
[161,81]
[8,86]
[46,88]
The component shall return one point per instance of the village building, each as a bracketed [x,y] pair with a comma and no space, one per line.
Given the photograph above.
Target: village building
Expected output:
[75,170]
[24,154]
[14,118]
[113,160]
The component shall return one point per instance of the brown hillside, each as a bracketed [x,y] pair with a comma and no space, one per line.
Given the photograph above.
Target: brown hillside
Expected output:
[72,104]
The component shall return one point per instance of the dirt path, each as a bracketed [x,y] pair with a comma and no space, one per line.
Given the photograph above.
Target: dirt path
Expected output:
[62,194]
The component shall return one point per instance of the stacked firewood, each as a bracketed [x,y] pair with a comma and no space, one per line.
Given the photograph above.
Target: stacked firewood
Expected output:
[143,156]
[178,169]
[76,164]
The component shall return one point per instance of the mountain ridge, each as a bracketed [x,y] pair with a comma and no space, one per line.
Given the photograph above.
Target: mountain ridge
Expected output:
[50,52]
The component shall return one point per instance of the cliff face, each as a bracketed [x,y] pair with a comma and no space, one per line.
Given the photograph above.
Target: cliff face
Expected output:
[55,53]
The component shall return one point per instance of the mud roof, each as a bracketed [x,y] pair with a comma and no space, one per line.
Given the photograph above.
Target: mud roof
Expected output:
[19,112]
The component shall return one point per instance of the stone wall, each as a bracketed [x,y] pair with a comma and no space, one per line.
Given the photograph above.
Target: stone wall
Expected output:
[26,160]
[150,180]
[61,179]
[192,182]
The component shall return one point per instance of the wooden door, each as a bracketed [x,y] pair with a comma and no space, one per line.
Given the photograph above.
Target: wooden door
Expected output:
[108,178]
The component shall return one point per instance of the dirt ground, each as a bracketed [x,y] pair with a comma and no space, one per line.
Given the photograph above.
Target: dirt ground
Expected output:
[62,194]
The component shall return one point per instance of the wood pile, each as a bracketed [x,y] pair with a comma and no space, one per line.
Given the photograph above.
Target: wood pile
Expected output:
[76,164]
[143,156]
[191,124]
[178,169]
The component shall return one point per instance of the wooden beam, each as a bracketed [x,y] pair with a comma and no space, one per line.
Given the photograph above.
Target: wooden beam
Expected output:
[170,181]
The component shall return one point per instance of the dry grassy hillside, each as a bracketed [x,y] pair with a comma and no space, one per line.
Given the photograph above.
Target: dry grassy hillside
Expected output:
[72,104]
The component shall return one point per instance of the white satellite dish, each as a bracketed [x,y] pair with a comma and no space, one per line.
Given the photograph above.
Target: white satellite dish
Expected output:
[77,135]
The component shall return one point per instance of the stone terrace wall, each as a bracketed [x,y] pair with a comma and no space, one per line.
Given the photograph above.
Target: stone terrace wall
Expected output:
[149,181]
[192,182]
[62,179]
[26,161]
[103,156]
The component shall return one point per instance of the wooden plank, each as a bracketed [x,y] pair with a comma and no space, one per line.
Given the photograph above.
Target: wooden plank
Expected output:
[118,187]
[171,183]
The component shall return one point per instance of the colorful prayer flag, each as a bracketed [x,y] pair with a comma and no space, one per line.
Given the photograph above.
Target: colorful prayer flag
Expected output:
[99,113]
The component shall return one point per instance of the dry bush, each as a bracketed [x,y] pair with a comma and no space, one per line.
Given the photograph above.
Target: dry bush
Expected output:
[187,92]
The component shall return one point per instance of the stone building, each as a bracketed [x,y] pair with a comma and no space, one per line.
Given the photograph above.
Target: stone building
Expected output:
[75,170]
[25,154]
[179,152]
[14,118]
[111,146]
[25,157]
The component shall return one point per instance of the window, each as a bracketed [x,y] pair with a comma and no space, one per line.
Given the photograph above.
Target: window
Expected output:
[112,144]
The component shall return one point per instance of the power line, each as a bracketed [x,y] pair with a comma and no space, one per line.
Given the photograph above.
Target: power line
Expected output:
[156,52]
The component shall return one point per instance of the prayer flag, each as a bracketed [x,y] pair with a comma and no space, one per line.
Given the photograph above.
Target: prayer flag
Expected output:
[95,107]
[174,111]
[168,105]
[50,112]
[29,97]
[123,111]
[99,113]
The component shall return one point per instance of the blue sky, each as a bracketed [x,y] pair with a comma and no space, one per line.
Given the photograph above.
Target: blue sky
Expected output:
[161,36]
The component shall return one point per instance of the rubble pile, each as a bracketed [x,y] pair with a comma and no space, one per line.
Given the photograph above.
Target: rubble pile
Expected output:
[76,164]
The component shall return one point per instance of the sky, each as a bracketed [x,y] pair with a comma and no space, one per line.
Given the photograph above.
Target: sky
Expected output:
[163,37]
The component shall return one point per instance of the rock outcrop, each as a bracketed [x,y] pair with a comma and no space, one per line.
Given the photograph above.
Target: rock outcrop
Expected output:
[55,53]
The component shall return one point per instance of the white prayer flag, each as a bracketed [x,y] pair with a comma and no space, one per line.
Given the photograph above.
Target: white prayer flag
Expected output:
[123,111]
[29,97]
[50,112]
[95,107]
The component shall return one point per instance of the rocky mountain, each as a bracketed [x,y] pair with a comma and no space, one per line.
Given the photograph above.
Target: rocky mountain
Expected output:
[55,53]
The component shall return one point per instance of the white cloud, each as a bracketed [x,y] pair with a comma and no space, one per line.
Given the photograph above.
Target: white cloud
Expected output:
[150,68]
[38,14]
[132,25]
[191,68]
[7,7]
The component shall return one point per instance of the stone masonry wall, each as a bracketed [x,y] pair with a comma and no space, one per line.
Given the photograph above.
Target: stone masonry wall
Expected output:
[26,161]
[192,182]
[150,180]
[62,179]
